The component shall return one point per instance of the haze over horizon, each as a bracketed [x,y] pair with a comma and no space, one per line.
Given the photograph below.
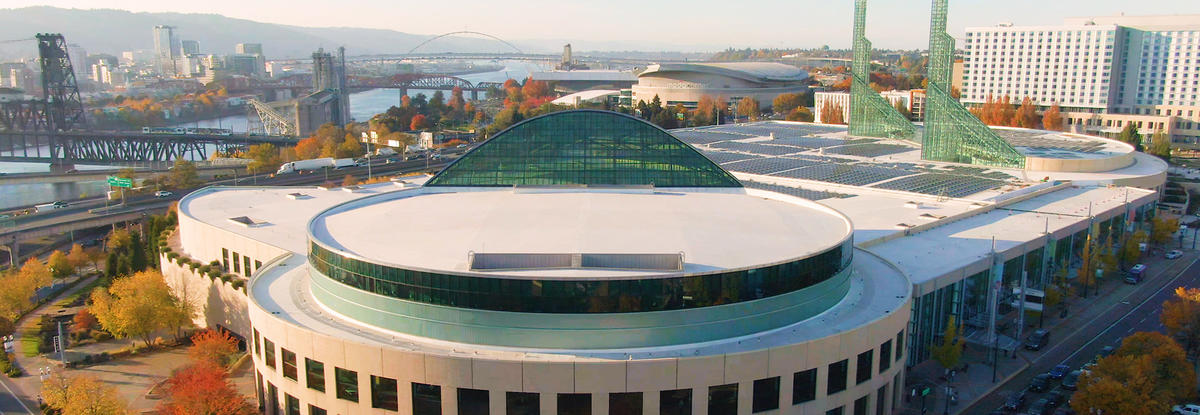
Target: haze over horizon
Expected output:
[699,25]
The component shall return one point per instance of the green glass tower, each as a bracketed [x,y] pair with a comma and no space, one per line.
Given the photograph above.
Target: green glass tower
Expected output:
[952,133]
[584,147]
[870,114]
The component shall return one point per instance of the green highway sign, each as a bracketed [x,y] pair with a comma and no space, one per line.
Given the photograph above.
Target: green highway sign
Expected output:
[119,182]
[926,391]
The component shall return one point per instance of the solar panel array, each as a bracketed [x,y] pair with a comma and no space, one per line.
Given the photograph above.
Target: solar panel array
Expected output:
[722,157]
[694,136]
[870,149]
[756,148]
[807,142]
[768,166]
[796,191]
[1039,140]
[941,184]
[848,174]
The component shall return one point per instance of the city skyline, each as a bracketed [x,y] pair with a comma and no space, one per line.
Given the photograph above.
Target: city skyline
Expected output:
[895,24]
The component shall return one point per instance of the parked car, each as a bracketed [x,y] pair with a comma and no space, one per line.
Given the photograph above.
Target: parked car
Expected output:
[1041,407]
[1135,274]
[1037,340]
[1186,409]
[1174,254]
[1056,398]
[1059,371]
[1040,383]
[1105,352]
[162,193]
[1071,380]
[1015,401]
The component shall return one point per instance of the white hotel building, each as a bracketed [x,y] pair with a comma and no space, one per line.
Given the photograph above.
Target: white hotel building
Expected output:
[1104,72]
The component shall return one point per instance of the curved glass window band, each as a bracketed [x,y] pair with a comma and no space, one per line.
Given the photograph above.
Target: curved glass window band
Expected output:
[581,296]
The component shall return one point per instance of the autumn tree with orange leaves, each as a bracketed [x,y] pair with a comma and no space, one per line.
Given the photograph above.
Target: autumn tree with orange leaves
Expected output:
[202,388]
[1181,317]
[1052,118]
[217,347]
[1147,375]
[1026,115]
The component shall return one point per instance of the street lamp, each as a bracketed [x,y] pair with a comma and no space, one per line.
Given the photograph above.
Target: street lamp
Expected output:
[373,136]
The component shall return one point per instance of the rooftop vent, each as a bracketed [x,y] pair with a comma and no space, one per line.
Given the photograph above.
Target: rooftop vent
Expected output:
[530,261]
[246,221]
[932,216]
[298,196]
[351,189]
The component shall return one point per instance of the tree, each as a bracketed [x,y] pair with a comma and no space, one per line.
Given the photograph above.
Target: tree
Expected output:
[535,89]
[1052,118]
[137,253]
[84,321]
[1181,317]
[183,174]
[263,157]
[948,352]
[81,395]
[1160,145]
[708,110]
[308,148]
[36,273]
[215,347]
[138,306]
[349,180]
[903,110]
[60,266]
[17,295]
[1130,136]
[837,115]
[1026,115]
[419,122]
[1131,250]
[1162,228]
[786,103]
[748,107]
[1147,375]
[800,114]
[118,240]
[78,257]
[202,389]
[350,147]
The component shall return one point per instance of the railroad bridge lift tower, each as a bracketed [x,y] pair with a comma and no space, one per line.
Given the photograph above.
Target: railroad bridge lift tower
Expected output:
[60,91]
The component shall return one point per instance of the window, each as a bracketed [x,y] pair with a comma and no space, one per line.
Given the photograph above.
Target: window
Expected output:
[312,410]
[384,394]
[723,399]
[885,356]
[237,263]
[291,405]
[272,398]
[225,259]
[521,403]
[675,402]
[625,403]
[246,260]
[899,345]
[863,370]
[881,400]
[314,374]
[269,353]
[472,402]
[860,405]
[766,394]
[804,386]
[257,264]
[838,373]
[257,348]
[346,384]
[574,404]
[289,364]
[427,399]
[841,410]
[258,391]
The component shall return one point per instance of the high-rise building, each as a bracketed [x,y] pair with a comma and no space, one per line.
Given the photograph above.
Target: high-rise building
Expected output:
[166,49]
[190,47]
[1104,72]
[248,48]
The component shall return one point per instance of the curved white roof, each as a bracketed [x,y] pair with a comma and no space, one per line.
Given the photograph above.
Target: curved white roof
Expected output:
[714,230]
[752,71]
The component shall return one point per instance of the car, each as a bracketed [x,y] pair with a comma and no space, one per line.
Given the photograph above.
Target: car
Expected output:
[1071,380]
[1186,409]
[162,193]
[1040,407]
[1037,340]
[1135,274]
[1056,398]
[1105,352]
[1174,254]
[1059,371]
[1015,401]
[71,171]
[1040,383]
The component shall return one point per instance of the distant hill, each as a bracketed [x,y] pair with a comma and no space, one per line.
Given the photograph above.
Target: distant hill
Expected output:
[113,31]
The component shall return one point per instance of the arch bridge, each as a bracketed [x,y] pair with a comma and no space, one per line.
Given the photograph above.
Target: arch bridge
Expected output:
[465,32]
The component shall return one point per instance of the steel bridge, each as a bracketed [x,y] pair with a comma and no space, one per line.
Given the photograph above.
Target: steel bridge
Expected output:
[121,147]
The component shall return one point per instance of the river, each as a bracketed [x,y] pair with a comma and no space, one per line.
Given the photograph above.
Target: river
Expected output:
[363,105]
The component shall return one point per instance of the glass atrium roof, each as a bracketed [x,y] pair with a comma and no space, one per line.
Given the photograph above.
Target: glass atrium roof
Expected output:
[584,147]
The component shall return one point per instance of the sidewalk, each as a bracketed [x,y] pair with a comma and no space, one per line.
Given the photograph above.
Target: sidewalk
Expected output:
[29,385]
[976,382]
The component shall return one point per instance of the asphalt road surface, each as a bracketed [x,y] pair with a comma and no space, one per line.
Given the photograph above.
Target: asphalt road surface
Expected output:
[1138,311]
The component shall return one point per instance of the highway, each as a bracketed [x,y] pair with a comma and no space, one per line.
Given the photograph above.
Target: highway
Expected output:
[1138,310]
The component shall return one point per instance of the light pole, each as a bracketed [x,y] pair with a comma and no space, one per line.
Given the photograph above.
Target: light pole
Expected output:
[369,139]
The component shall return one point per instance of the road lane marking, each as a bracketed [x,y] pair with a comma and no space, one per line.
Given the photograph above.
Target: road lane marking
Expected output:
[15,397]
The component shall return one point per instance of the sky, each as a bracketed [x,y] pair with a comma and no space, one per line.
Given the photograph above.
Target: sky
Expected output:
[692,24]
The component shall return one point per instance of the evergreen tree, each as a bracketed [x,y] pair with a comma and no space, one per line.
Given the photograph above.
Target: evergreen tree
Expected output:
[1131,136]
[110,265]
[137,255]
